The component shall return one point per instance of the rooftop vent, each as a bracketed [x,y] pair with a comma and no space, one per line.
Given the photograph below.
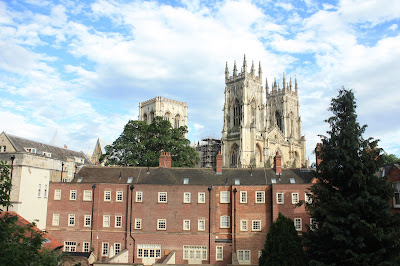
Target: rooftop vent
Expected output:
[80,179]
[186,180]
[130,180]
[237,181]
[273,180]
[292,180]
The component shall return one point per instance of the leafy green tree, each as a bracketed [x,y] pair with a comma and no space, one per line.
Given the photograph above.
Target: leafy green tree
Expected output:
[283,246]
[140,144]
[389,158]
[20,245]
[349,202]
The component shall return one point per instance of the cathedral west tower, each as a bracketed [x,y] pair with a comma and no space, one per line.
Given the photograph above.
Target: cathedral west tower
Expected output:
[254,132]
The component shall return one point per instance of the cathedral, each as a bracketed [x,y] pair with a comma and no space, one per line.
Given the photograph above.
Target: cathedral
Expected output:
[254,132]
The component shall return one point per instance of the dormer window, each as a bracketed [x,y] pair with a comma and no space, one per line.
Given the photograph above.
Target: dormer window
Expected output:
[47,154]
[186,180]
[31,150]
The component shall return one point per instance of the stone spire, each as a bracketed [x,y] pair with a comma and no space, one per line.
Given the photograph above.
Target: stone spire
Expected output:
[290,83]
[295,84]
[266,86]
[274,86]
[260,71]
[284,81]
[226,71]
[252,71]
[244,65]
[234,70]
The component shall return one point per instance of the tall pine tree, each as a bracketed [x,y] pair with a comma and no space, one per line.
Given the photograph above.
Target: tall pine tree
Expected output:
[350,202]
[283,245]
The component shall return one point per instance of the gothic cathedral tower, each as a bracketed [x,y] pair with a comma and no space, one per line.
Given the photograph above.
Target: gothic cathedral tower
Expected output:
[253,132]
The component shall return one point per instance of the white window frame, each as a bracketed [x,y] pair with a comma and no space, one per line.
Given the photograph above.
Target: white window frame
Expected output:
[244,225]
[298,224]
[138,223]
[117,248]
[119,196]
[256,225]
[87,195]
[244,256]
[118,219]
[308,197]
[225,197]
[260,199]
[219,253]
[86,247]
[139,196]
[86,218]
[243,196]
[162,224]
[69,246]
[396,194]
[282,200]
[105,249]
[72,195]
[71,220]
[313,224]
[45,191]
[194,252]
[106,220]
[201,197]
[295,198]
[186,225]
[56,219]
[107,195]
[57,194]
[187,197]
[225,221]
[39,191]
[147,250]
[201,224]
[162,197]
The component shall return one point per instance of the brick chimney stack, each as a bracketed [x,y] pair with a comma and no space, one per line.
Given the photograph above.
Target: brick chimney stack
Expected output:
[165,160]
[278,163]
[218,161]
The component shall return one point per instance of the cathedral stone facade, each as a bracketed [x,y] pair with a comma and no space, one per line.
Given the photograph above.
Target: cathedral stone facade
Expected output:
[255,132]
[174,111]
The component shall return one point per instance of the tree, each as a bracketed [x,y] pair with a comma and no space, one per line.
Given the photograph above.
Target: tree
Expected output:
[140,144]
[283,246]
[349,202]
[20,245]
[389,158]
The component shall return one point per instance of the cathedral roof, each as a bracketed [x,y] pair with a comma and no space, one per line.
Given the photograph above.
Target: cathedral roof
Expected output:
[194,176]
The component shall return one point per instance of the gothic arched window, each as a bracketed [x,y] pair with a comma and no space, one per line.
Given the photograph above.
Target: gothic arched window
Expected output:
[167,116]
[278,119]
[237,113]
[235,156]
[151,116]
[253,112]
[145,117]
[176,122]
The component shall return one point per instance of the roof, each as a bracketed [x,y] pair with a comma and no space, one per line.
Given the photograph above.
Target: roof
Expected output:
[79,254]
[196,176]
[383,171]
[48,243]
[20,144]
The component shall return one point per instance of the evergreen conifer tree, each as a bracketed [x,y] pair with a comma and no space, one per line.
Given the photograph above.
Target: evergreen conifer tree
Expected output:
[349,201]
[283,245]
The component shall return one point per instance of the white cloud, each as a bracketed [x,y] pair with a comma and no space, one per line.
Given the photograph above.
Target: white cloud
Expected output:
[393,27]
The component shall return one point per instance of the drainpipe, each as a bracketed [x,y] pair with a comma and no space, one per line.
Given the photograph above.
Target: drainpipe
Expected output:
[126,218]
[234,219]
[91,222]
[62,169]
[209,224]
[12,166]
[130,226]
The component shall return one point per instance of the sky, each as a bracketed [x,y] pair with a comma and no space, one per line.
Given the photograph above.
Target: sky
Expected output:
[81,68]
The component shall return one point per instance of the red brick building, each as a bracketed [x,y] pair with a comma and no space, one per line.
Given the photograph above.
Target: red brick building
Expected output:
[191,216]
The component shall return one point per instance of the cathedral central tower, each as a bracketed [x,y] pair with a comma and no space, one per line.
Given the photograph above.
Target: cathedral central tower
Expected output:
[253,131]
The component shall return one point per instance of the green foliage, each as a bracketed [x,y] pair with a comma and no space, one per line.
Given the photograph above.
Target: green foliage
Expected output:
[389,158]
[349,202]
[283,246]
[140,144]
[20,245]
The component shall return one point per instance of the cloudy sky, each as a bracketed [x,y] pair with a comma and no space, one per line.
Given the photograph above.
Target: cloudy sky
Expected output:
[81,67]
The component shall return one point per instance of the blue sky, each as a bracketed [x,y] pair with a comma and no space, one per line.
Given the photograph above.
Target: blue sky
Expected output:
[81,67]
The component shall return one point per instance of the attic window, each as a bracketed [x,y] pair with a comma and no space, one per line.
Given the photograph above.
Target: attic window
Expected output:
[130,179]
[237,181]
[47,154]
[273,180]
[186,180]
[31,150]
[292,180]
[80,179]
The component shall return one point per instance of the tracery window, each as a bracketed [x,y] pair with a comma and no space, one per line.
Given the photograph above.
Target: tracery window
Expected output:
[278,119]
[235,156]
[177,119]
[237,113]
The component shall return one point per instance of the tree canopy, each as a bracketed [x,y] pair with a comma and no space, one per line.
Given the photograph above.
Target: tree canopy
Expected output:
[349,202]
[389,158]
[20,244]
[140,144]
[283,245]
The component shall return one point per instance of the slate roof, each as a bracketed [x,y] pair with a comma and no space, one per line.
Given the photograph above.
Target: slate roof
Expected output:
[197,176]
[48,243]
[20,144]
[386,168]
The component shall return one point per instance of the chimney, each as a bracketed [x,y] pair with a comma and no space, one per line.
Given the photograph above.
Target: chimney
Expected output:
[218,161]
[165,160]
[65,146]
[278,163]
[318,159]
